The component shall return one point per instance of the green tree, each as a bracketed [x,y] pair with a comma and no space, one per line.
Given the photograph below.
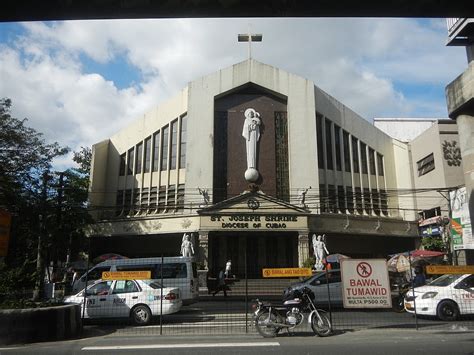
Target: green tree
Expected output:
[25,164]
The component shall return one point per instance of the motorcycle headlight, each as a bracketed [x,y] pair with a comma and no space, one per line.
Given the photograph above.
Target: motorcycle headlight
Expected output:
[429,295]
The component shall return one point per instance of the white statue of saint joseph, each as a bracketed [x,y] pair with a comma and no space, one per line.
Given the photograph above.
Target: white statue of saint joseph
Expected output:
[251,133]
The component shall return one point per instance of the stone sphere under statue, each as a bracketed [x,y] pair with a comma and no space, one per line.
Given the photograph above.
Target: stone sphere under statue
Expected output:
[251,174]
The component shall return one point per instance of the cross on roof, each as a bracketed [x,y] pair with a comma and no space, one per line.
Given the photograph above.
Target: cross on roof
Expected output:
[250,37]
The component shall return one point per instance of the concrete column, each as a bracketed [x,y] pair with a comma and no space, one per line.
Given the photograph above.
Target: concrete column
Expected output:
[303,248]
[203,255]
[466,142]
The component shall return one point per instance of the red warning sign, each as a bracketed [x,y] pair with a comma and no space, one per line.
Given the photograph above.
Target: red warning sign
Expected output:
[365,283]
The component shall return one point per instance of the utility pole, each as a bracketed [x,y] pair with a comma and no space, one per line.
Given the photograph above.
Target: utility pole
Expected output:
[39,284]
[448,240]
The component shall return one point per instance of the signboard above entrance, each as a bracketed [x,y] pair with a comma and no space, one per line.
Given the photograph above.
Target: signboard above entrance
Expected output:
[254,222]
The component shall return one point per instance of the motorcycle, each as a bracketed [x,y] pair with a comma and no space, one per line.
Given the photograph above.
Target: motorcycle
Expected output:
[398,296]
[270,319]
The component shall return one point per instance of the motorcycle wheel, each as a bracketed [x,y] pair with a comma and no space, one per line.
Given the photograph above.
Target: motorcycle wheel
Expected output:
[266,330]
[398,304]
[321,325]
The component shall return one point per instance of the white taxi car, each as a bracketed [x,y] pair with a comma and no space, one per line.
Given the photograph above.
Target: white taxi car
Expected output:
[446,297]
[138,300]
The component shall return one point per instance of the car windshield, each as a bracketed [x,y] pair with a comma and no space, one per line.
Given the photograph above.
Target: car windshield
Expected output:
[153,284]
[444,280]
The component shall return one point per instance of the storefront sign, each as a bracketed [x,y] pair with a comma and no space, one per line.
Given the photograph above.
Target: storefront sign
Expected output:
[430,230]
[287,272]
[365,283]
[449,269]
[255,222]
[5,221]
[461,229]
[126,275]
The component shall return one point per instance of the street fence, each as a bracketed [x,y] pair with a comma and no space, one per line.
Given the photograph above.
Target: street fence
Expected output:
[170,296]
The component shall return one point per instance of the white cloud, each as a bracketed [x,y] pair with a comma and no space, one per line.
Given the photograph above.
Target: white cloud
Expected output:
[360,62]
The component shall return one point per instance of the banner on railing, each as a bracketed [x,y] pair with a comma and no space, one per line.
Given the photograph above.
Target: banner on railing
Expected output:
[126,275]
[287,272]
[449,269]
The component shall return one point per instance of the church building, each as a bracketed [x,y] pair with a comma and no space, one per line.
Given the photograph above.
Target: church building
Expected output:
[251,161]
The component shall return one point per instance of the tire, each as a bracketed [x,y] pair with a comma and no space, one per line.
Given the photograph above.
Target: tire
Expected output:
[447,310]
[267,331]
[140,315]
[398,304]
[321,327]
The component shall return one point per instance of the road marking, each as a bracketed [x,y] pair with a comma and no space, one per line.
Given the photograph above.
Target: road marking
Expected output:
[174,346]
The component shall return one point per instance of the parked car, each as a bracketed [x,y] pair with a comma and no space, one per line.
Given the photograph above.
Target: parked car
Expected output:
[138,300]
[318,283]
[175,271]
[446,297]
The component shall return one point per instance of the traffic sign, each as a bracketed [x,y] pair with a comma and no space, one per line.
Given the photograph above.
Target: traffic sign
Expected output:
[365,283]
[126,275]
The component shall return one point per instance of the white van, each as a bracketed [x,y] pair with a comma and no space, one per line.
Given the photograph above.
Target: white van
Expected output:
[176,271]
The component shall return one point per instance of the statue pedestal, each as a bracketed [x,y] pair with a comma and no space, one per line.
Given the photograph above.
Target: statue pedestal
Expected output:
[202,280]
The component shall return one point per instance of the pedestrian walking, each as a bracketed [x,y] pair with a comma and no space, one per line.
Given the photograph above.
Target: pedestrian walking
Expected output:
[221,286]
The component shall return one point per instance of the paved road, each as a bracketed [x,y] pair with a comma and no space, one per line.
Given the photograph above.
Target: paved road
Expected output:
[380,341]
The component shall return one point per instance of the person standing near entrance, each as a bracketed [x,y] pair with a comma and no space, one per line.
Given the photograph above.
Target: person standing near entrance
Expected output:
[228,267]
[221,284]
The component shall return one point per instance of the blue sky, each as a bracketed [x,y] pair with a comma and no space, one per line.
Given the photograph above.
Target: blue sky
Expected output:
[79,82]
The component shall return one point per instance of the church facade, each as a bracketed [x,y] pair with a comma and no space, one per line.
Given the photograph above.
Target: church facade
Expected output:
[251,161]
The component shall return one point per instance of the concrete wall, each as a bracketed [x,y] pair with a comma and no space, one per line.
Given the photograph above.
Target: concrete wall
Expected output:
[301,120]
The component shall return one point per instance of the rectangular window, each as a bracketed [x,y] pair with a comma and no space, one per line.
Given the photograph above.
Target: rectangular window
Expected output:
[376,201]
[384,202]
[130,161]
[182,149]
[350,199]
[138,158]
[363,157]
[372,161]
[170,202]
[164,149]
[329,145]
[127,202]
[144,200]
[147,157]
[332,198]
[281,156]
[358,200]
[367,202]
[119,203]
[156,151]
[425,165]
[380,164]
[323,198]
[122,164]
[136,200]
[341,197]
[319,134]
[174,144]
[347,154]
[337,143]
[355,155]
[180,198]
[153,199]
[162,199]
